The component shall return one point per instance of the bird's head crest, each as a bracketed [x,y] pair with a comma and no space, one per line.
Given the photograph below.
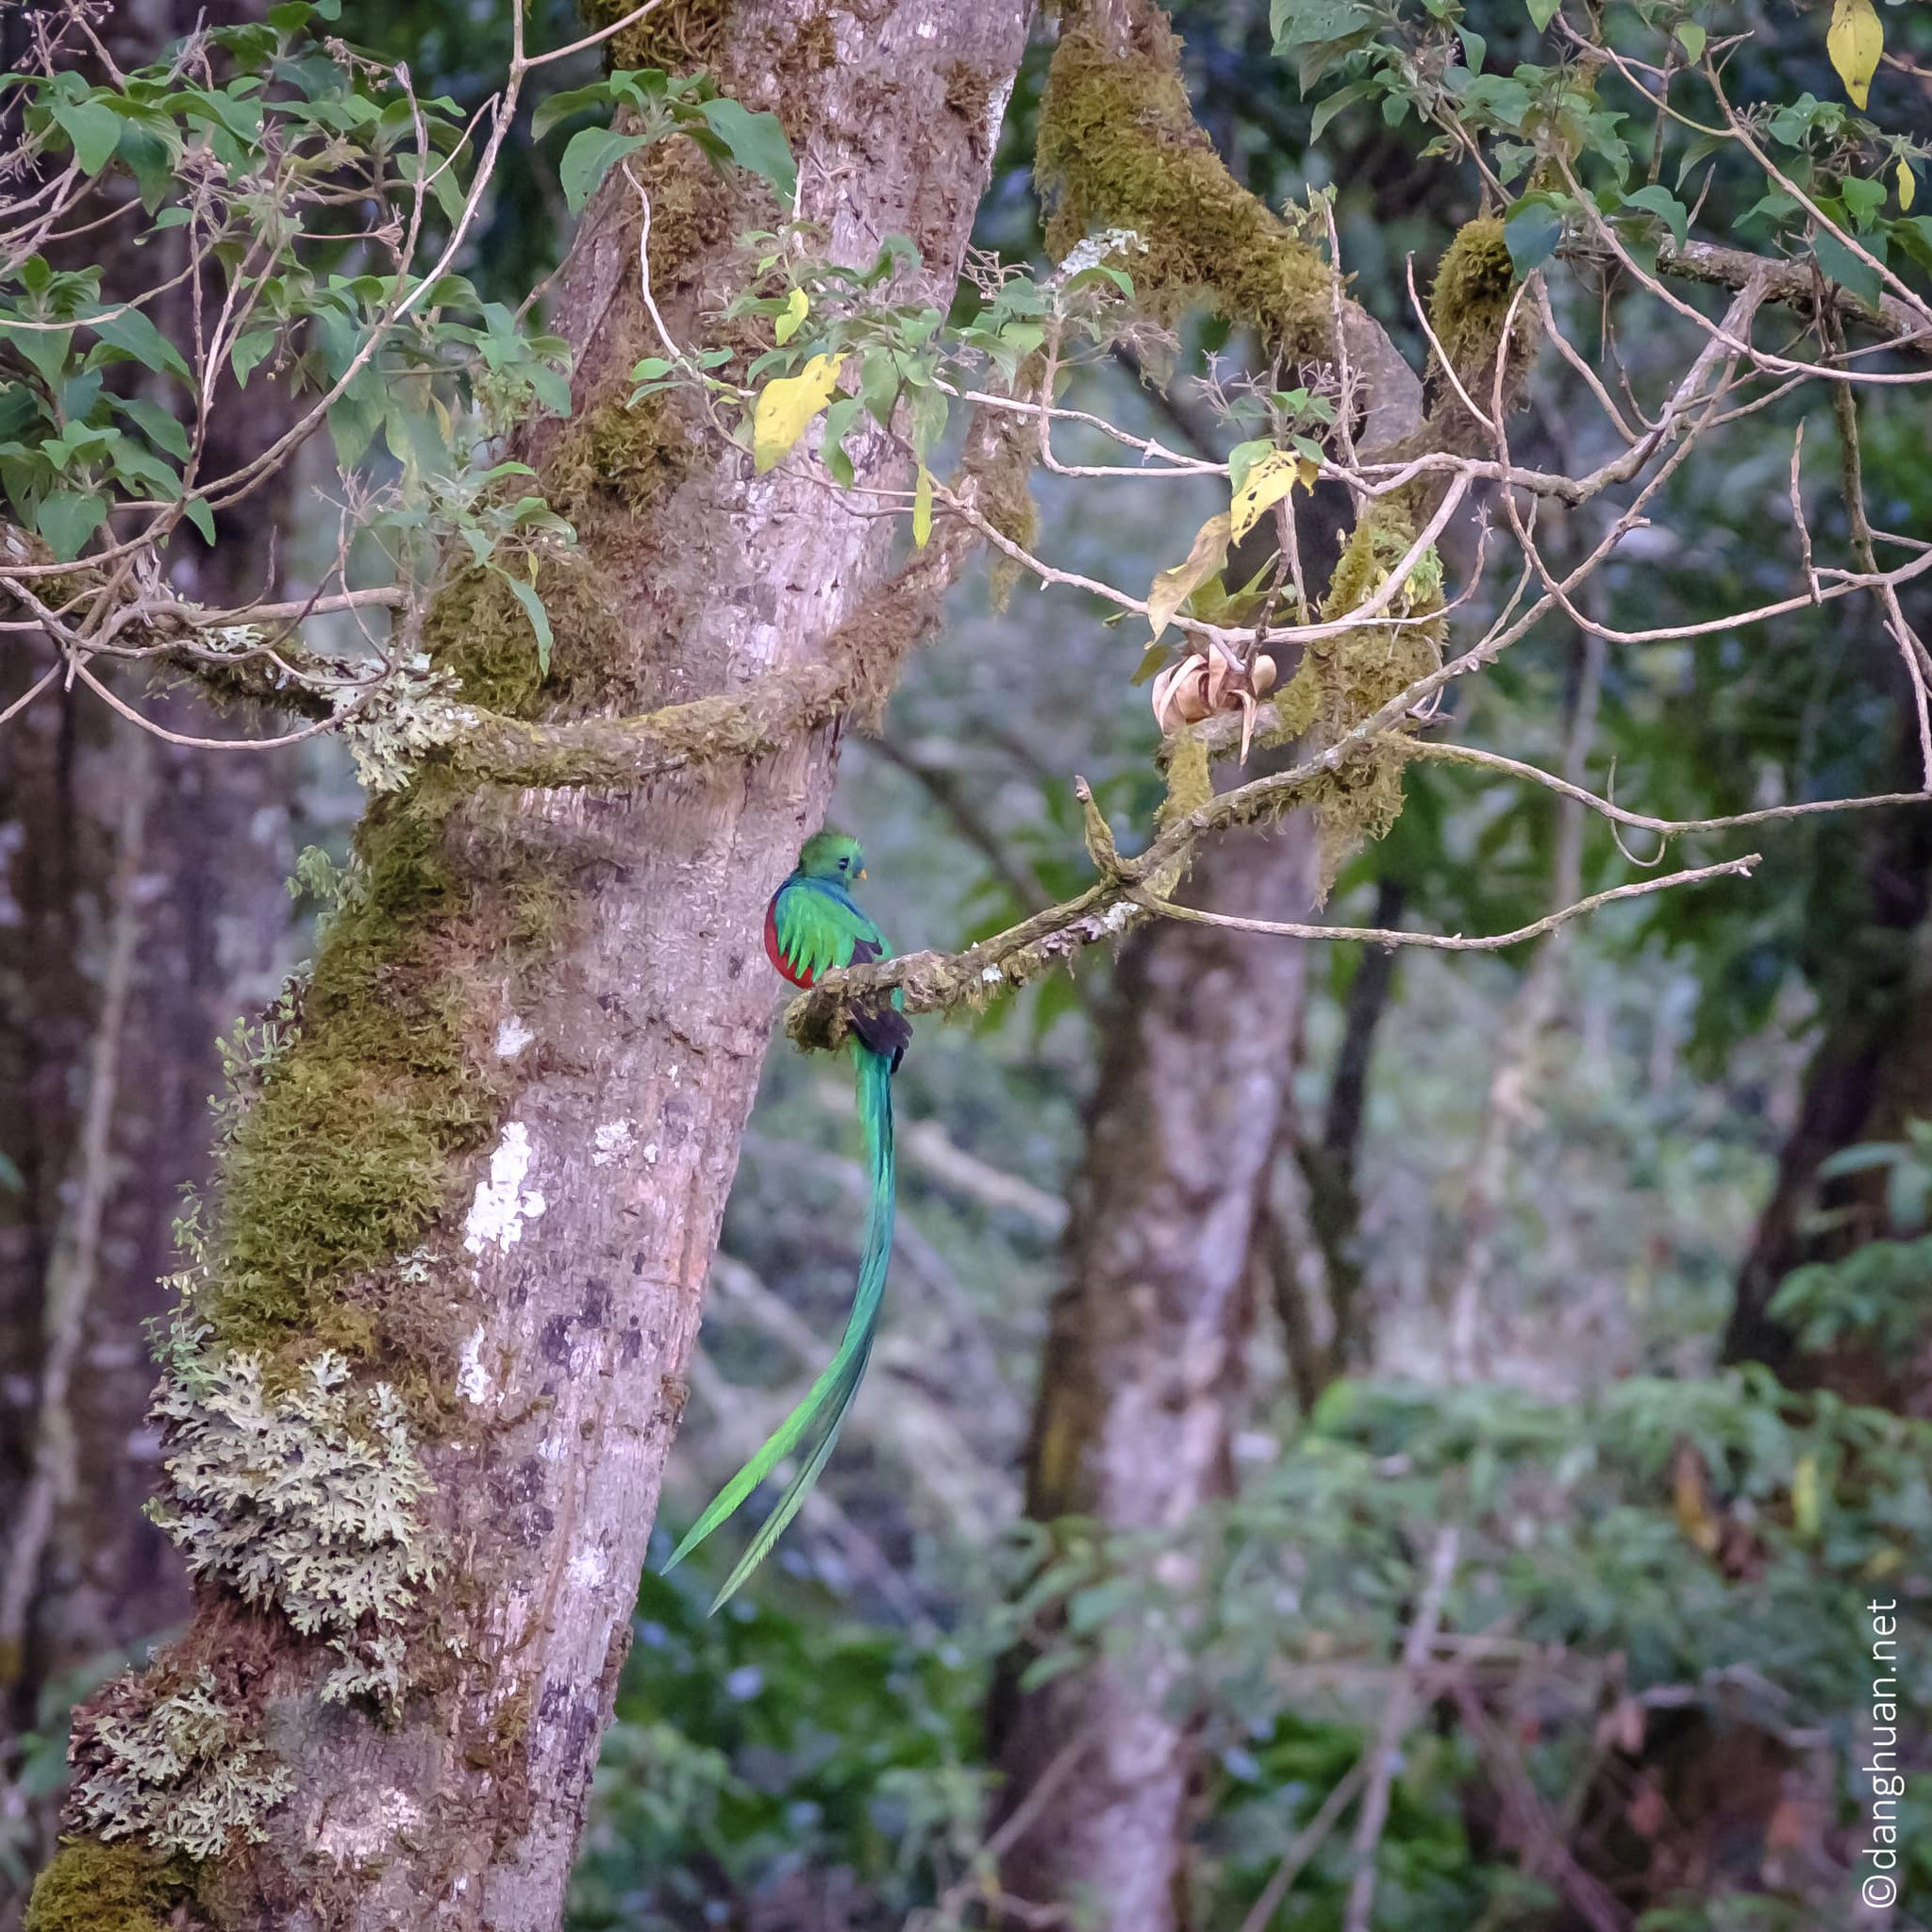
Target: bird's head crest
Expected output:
[831,856]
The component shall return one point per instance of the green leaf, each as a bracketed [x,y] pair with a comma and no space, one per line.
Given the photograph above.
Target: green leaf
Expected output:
[160,426]
[1690,37]
[756,142]
[1244,457]
[878,386]
[197,512]
[928,411]
[1298,23]
[838,420]
[131,332]
[1503,99]
[150,161]
[1531,232]
[589,157]
[248,351]
[95,130]
[67,519]
[1658,201]
[44,349]
[1340,98]
[352,422]
[1914,235]
[137,468]
[539,619]
[560,107]
[551,387]
[1844,268]
[791,317]
[1864,198]
[1154,660]
[1774,207]
[1541,12]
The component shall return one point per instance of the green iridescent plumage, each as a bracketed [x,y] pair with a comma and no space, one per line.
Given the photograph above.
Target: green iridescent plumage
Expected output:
[813,926]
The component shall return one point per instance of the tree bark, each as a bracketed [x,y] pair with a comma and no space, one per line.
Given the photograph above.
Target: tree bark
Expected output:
[1144,1361]
[531,1040]
[1871,1072]
[183,855]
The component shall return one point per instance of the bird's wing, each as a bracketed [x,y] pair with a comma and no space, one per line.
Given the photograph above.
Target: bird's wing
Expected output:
[819,928]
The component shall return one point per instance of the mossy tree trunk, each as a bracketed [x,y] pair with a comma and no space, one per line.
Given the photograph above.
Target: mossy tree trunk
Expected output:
[1143,1364]
[487,1176]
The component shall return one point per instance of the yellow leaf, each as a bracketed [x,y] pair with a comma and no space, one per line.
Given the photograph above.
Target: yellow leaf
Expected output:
[1265,484]
[1691,1496]
[791,318]
[1171,588]
[922,507]
[1854,42]
[1804,1503]
[785,406]
[1907,187]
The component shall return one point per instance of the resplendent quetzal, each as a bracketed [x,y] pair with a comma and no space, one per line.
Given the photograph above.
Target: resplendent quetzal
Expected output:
[812,926]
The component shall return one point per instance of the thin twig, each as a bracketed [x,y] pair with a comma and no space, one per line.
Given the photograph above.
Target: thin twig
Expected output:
[1304,1846]
[1394,1721]
[1448,942]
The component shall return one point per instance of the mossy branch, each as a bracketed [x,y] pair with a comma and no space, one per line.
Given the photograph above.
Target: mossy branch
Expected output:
[1131,890]
[629,751]
[1793,284]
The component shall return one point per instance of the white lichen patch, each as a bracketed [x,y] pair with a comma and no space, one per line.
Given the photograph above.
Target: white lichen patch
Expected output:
[473,1379]
[513,1036]
[412,712]
[306,1500]
[358,1829]
[996,112]
[184,1773]
[611,1141]
[587,1568]
[502,1205]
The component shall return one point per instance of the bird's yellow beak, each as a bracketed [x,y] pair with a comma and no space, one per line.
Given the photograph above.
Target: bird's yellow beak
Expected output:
[861,872]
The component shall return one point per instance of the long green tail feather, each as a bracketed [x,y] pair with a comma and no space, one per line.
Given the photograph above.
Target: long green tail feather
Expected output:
[812,1427]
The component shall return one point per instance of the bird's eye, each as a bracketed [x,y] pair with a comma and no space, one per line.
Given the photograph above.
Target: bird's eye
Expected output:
[843,863]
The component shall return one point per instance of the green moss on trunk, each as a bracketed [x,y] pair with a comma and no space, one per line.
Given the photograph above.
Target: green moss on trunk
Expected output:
[1119,147]
[678,36]
[1356,673]
[91,1886]
[344,1160]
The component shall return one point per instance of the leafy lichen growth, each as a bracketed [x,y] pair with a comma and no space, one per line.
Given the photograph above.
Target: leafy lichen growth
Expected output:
[412,713]
[305,1501]
[179,1770]
[1119,146]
